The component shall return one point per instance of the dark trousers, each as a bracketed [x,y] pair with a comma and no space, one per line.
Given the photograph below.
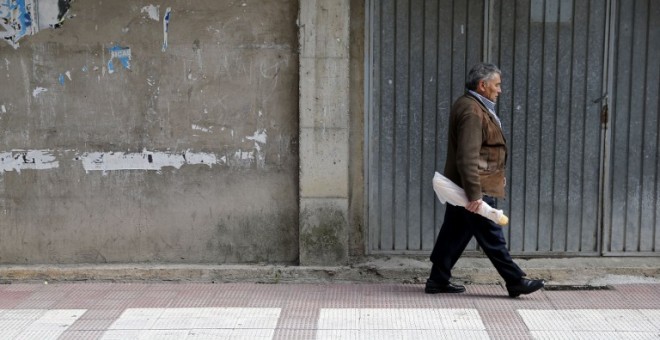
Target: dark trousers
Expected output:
[457,229]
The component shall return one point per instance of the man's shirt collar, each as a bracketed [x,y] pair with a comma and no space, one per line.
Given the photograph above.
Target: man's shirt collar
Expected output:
[489,104]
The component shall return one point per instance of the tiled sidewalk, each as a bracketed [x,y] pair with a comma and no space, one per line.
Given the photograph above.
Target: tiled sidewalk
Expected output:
[321,311]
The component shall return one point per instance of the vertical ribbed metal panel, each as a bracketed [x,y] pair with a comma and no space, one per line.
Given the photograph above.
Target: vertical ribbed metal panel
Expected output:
[551,53]
[554,57]
[632,225]
[421,52]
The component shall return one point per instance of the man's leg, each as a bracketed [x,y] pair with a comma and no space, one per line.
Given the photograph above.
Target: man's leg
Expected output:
[491,239]
[452,240]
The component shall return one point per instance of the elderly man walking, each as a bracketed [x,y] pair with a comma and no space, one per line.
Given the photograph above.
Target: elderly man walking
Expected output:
[476,157]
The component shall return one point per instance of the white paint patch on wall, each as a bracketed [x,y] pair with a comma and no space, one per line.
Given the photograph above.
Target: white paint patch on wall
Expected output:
[200,128]
[201,158]
[17,160]
[145,160]
[37,91]
[244,155]
[259,136]
[152,12]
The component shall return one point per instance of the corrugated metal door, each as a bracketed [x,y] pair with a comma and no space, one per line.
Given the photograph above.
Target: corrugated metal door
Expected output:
[632,218]
[580,182]
[420,52]
[552,55]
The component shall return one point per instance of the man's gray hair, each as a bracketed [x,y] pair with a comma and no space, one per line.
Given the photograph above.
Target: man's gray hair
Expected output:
[479,72]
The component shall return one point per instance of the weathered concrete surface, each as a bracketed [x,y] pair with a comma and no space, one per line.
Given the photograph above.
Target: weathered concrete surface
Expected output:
[324,132]
[323,235]
[574,271]
[125,143]
[356,214]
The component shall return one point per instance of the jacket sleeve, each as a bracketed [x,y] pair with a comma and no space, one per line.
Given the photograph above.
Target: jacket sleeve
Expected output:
[468,146]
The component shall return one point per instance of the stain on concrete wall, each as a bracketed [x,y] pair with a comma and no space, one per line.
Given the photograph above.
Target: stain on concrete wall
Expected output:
[323,234]
[357,232]
[114,149]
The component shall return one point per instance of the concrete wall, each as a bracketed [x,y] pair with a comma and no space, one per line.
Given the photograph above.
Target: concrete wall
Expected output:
[128,136]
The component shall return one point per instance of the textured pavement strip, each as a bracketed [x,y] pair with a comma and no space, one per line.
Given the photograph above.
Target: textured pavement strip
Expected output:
[321,311]
[380,323]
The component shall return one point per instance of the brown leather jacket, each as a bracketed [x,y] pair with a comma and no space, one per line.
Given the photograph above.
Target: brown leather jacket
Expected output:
[476,150]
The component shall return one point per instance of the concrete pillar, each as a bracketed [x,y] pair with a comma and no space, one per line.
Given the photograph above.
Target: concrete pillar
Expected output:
[324,131]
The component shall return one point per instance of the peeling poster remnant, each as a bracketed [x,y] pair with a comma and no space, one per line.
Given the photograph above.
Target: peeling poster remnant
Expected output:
[123,54]
[108,161]
[145,160]
[166,26]
[16,19]
[18,160]
[19,18]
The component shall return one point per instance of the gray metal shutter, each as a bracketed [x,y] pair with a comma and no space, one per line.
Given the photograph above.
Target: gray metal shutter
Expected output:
[632,214]
[577,185]
[552,54]
[420,53]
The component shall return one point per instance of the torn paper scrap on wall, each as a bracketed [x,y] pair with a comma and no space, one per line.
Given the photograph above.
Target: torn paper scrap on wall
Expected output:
[61,78]
[17,160]
[166,26]
[19,18]
[16,20]
[123,54]
[51,13]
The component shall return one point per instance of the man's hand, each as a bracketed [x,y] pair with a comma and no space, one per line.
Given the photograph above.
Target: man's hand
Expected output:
[473,206]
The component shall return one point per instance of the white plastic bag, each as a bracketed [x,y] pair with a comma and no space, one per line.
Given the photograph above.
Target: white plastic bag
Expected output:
[448,192]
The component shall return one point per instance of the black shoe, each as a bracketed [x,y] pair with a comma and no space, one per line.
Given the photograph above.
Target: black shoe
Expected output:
[525,286]
[434,288]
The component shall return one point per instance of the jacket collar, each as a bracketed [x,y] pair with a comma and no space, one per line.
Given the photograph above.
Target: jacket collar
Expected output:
[471,96]
[493,117]
[485,101]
